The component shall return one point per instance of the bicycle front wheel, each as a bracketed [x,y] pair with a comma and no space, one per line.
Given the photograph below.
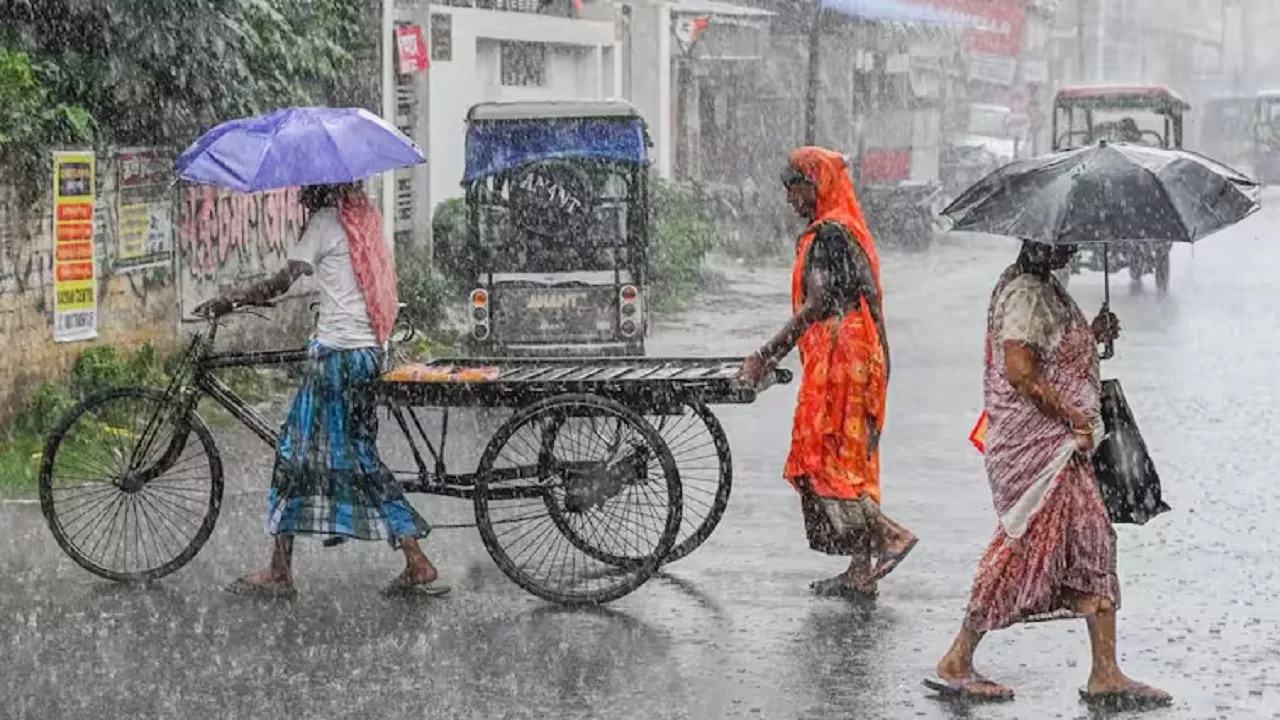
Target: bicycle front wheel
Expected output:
[131,486]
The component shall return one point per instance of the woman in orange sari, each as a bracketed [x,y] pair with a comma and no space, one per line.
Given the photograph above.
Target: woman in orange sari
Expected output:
[838,324]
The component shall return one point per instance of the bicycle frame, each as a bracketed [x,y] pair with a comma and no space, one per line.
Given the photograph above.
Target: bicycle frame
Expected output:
[193,379]
[209,384]
[200,365]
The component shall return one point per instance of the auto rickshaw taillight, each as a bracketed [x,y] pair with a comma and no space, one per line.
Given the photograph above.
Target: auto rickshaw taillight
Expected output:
[628,307]
[480,313]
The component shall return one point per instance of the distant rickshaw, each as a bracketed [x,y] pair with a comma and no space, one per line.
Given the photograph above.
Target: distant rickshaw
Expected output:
[1139,114]
[1266,137]
[557,196]
[1225,130]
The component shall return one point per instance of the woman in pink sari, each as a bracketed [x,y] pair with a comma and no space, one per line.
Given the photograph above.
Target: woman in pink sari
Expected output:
[1054,552]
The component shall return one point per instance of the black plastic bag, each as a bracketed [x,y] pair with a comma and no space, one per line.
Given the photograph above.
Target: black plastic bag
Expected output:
[1127,478]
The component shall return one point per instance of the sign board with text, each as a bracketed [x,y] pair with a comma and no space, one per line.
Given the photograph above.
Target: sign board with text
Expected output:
[551,199]
[412,49]
[75,288]
[994,35]
[145,209]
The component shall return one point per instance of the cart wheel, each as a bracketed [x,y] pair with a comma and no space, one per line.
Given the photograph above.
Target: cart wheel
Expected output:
[589,464]
[1162,269]
[123,488]
[701,451]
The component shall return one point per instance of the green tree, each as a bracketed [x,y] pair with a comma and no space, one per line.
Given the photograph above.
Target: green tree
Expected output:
[158,72]
[31,121]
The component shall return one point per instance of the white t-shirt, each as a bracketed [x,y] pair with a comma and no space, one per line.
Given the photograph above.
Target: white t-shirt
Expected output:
[344,315]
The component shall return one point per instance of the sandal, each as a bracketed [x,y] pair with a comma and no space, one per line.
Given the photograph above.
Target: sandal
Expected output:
[402,586]
[267,591]
[837,588]
[1134,696]
[889,564]
[966,689]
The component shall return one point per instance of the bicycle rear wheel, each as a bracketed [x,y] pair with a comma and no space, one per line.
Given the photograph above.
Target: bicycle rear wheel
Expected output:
[129,487]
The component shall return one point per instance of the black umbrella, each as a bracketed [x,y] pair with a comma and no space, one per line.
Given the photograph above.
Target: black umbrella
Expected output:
[1107,193]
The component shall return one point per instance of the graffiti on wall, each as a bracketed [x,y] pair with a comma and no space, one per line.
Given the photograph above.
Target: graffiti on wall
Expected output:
[226,238]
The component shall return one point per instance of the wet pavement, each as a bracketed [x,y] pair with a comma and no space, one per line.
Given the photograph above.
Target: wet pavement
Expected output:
[731,631]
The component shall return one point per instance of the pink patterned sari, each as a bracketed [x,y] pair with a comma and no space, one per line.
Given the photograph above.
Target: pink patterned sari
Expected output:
[1055,537]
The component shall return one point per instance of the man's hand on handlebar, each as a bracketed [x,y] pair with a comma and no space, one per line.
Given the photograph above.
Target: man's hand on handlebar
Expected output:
[215,308]
[259,294]
[225,305]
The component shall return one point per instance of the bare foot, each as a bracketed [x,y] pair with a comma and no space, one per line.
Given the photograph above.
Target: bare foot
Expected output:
[268,577]
[895,549]
[1118,687]
[421,572]
[953,668]
[897,542]
[843,586]
[265,584]
[418,578]
[862,580]
[961,680]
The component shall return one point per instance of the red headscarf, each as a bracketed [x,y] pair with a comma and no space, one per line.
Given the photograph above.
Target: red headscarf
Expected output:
[371,260]
[837,202]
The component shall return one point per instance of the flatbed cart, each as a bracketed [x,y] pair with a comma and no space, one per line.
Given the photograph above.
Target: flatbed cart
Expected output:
[579,496]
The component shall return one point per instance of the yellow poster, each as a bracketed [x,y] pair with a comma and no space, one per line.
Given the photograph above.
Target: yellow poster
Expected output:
[75,305]
[135,224]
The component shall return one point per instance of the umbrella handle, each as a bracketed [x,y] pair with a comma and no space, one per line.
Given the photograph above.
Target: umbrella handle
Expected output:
[1108,347]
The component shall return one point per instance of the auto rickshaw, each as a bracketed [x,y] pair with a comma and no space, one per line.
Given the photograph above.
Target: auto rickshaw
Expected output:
[1140,114]
[557,197]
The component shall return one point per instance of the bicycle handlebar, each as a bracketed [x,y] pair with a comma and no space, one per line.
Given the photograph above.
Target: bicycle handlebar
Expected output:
[235,308]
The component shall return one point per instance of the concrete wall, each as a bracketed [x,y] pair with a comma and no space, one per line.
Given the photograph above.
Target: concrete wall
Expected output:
[649,76]
[226,240]
[219,240]
[133,307]
[581,59]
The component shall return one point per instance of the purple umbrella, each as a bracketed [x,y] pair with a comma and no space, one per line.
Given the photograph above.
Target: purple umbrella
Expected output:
[297,146]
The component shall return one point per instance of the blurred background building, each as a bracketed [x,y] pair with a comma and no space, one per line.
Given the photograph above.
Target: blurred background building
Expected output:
[924,95]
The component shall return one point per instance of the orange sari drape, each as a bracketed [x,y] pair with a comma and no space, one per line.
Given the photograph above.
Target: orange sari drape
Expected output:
[844,385]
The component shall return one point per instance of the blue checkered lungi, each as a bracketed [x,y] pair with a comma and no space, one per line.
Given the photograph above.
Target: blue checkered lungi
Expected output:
[328,477]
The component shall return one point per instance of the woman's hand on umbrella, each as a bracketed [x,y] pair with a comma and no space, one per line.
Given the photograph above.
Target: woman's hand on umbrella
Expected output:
[1106,326]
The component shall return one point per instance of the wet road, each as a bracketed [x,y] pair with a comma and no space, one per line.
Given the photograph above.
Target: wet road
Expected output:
[731,632]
